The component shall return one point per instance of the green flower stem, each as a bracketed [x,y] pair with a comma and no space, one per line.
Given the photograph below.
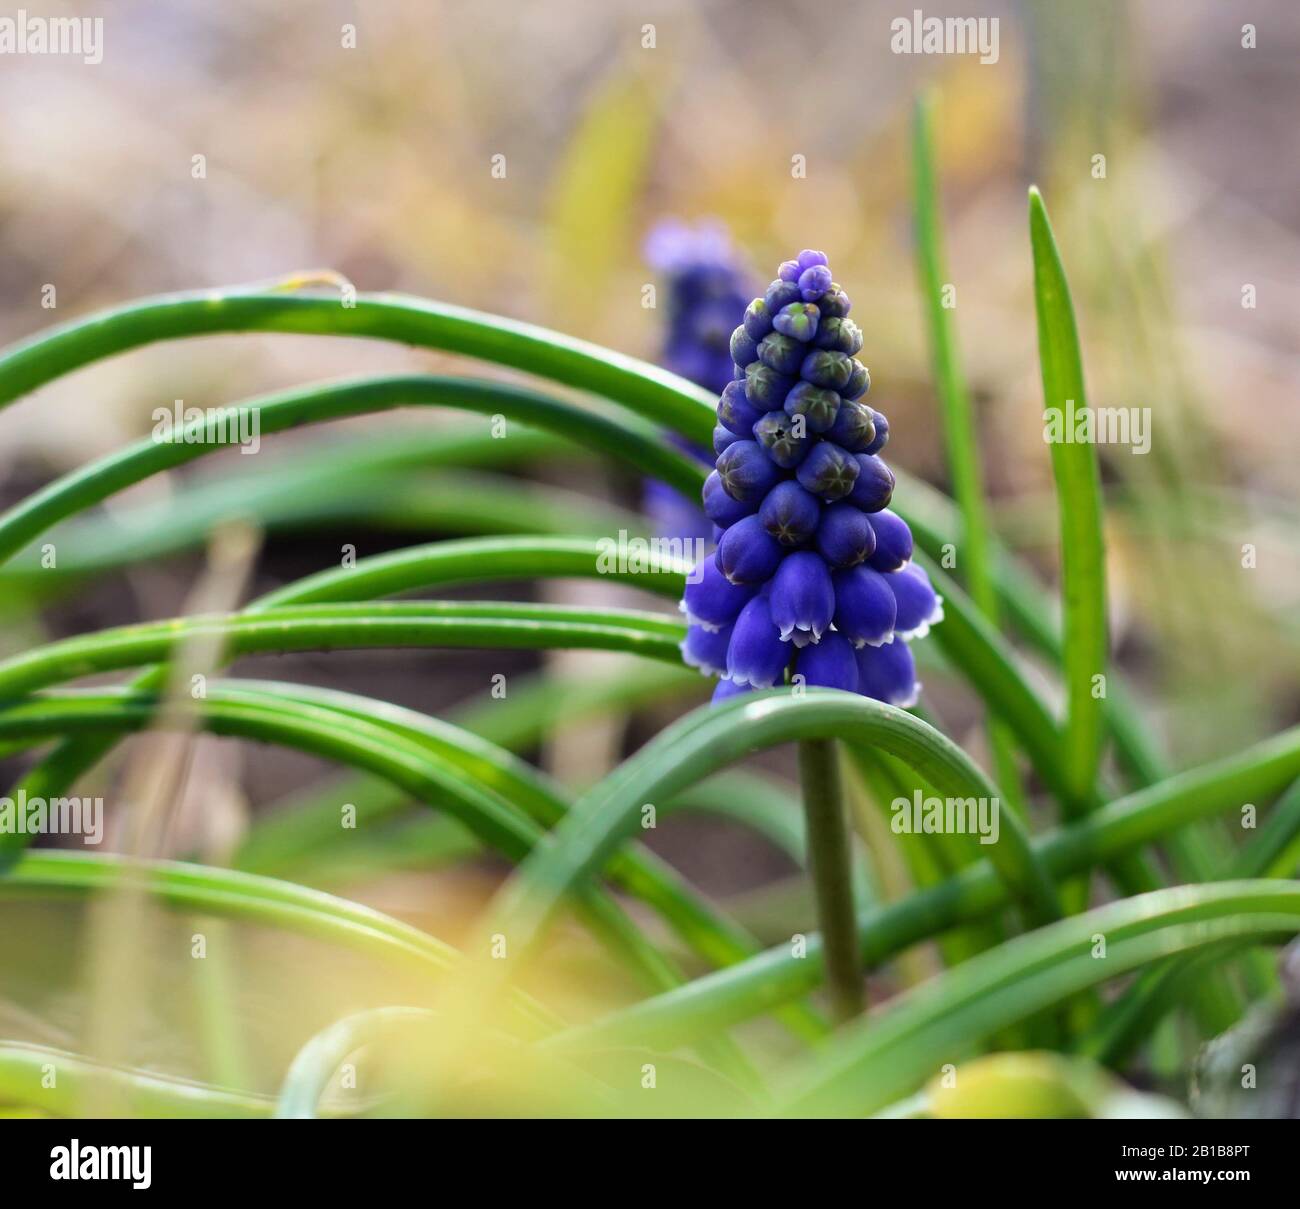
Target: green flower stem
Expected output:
[831,868]
[649,391]
[712,738]
[729,996]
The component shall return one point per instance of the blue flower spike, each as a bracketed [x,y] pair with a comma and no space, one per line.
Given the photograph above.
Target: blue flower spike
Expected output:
[813,581]
[706,286]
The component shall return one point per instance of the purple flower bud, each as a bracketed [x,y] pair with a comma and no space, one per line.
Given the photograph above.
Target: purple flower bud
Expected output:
[744,348]
[747,473]
[707,649]
[854,428]
[756,655]
[780,436]
[706,287]
[888,673]
[814,282]
[789,271]
[736,412]
[834,303]
[844,536]
[727,689]
[711,600]
[722,437]
[893,541]
[864,606]
[758,320]
[859,382]
[874,487]
[829,664]
[766,387]
[798,320]
[747,553]
[817,406]
[802,600]
[825,368]
[720,507]
[839,335]
[919,607]
[780,293]
[780,352]
[828,472]
[810,258]
[882,432]
[790,513]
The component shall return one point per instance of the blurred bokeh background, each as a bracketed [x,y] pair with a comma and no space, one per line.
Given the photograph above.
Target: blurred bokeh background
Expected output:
[377,160]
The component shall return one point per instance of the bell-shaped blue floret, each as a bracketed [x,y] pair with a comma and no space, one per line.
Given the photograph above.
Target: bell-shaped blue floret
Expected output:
[829,664]
[893,541]
[707,649]
[711,600]
[918,606]
[747,553]
[756,655]
[864,606]
[888,673]
[802,599]
[729,688]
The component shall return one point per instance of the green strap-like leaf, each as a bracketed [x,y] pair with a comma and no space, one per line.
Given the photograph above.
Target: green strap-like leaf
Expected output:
[871,1064]
[438,565]
[267,901]
[96,482]
[652,392]
[728,996]
[713,737]
[1078,491]
[349,626]
[959,427]
[24,1081]
[363,744]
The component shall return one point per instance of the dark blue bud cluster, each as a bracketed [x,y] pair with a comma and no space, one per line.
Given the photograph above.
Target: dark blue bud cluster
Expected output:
[813,574]
[706,285]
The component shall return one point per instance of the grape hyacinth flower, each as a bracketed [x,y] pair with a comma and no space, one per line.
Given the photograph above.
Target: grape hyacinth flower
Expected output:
[813,576]
[707,289]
